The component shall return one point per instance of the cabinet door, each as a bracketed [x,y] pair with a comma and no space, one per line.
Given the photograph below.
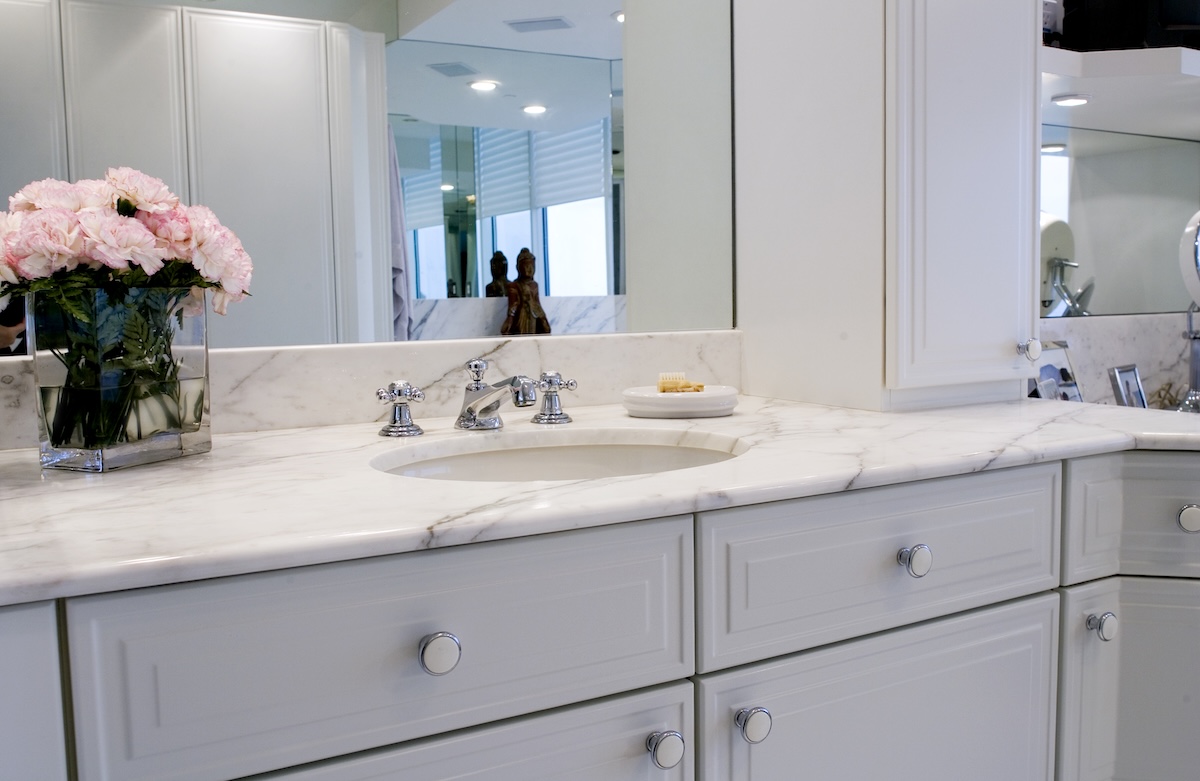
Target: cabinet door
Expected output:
[258,116]
[33,119]
[971,696]
[32,745]
[604,741]
[106,49]
[1131,706]
[961,126]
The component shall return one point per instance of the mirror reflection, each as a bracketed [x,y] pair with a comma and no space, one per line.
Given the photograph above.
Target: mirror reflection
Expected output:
[1113,205]
[281,123]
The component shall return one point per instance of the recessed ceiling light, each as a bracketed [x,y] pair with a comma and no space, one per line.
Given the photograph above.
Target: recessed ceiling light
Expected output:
[534,109]
[619,16]
[447,188]
[1070,99]
[484,86]
[1050,149]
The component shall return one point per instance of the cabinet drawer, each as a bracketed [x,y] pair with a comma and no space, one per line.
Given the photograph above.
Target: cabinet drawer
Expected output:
[225,678]
[603,741]
[971,696]
[1122,515]
[781,577]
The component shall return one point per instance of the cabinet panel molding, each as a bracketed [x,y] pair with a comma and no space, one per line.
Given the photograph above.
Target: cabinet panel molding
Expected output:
[224,678]
[32,742]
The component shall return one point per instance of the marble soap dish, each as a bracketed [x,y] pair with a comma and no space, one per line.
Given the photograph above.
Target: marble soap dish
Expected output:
[713,402]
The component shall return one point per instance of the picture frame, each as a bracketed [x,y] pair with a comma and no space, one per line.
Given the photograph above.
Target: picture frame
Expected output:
[1127,386]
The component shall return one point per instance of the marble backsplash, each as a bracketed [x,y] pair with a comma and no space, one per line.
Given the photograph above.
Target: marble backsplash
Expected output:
[464,318]
[1154,343]
[261,389]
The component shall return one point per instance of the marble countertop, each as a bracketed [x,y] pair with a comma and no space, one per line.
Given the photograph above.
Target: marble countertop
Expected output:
[269,500]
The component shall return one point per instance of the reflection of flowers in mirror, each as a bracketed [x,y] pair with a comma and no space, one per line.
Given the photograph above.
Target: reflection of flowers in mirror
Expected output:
[127,228]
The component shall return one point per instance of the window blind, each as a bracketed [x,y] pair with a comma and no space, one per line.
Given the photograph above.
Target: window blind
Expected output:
[571,165]
[502,169]
[423,192]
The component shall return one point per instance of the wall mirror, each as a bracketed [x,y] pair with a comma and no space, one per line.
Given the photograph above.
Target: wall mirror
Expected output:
[1120,177]
[665,90]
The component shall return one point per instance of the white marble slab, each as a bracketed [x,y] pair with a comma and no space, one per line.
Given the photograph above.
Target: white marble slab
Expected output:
[285,498]
[465,318]
[1154,343]
[258,389]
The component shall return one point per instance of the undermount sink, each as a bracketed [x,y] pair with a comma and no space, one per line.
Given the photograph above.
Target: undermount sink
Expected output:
[558,454]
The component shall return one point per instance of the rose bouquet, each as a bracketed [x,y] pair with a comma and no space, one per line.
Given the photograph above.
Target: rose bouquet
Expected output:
[112,268]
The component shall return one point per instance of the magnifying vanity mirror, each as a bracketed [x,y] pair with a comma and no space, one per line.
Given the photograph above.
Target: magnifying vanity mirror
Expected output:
[654,101]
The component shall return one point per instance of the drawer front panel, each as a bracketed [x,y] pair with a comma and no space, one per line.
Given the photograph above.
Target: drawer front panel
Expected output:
[971,696]
[597,742]
[230,677]
[786,576]
[1157,487]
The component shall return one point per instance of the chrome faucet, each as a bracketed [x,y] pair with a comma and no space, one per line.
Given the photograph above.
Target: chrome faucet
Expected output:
[481,401]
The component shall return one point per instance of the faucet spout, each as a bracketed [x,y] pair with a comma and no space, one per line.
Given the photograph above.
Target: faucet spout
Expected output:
[482,401]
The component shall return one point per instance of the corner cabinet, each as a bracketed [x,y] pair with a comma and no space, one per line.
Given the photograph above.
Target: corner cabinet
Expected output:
[961,130]
[1129,689]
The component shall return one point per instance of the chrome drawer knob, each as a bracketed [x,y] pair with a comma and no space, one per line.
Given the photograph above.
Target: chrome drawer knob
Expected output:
[917,560]
[1104,625]
[1031,349]
[439,653]
[755,724]
[1189,518]
[666,748]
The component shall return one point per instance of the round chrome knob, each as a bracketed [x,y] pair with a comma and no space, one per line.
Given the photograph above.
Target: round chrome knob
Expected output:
[1189,518]
[755,724]
[1031,349]
[917,560]
[1104,625]
[439,653]
[666,748]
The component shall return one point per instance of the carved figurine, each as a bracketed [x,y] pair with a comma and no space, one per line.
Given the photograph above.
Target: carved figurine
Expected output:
[525,314]
[499,284]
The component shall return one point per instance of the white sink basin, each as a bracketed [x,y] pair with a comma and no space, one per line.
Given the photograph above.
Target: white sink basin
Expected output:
[558,454]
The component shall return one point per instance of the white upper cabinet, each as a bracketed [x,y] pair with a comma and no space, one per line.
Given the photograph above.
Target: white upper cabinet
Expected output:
[886,203]
[33,119]
[960,138]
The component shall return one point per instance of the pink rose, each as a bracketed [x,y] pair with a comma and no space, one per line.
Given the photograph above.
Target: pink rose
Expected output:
[47,241]
[217,253]
[119,242]
[93,193]
[9,225]
[145,192]
[45,194]
[173,230]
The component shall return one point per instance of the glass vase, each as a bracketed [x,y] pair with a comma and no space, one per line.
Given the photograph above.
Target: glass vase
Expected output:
[122,377]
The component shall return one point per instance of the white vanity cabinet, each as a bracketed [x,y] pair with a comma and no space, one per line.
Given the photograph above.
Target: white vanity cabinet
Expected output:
[225,678]
[601,741]
[1129,690]
[32,741]
[970,695]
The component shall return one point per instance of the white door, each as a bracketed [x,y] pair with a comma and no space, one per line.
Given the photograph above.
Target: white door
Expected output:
[970,696]
[961,127]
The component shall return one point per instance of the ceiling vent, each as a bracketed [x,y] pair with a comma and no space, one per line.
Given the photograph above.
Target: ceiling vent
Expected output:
[454,69]
[540,25]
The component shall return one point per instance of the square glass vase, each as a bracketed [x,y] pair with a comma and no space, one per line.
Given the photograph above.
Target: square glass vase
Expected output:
[121,375]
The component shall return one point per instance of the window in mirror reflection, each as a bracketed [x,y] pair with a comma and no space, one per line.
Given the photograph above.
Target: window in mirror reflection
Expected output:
[550,192]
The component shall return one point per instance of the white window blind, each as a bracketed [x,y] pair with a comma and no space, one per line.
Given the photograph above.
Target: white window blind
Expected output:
[423,192]
[502,168]
[572,165]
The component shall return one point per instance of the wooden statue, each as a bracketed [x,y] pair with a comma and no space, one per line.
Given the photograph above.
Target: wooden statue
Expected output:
[498,287]
[525,314]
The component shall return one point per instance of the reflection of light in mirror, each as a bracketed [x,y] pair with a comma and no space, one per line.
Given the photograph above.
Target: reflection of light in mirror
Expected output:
[483,86]
[447,188]
[534,109]
[1051,149]
[619,16]
[1069,100]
